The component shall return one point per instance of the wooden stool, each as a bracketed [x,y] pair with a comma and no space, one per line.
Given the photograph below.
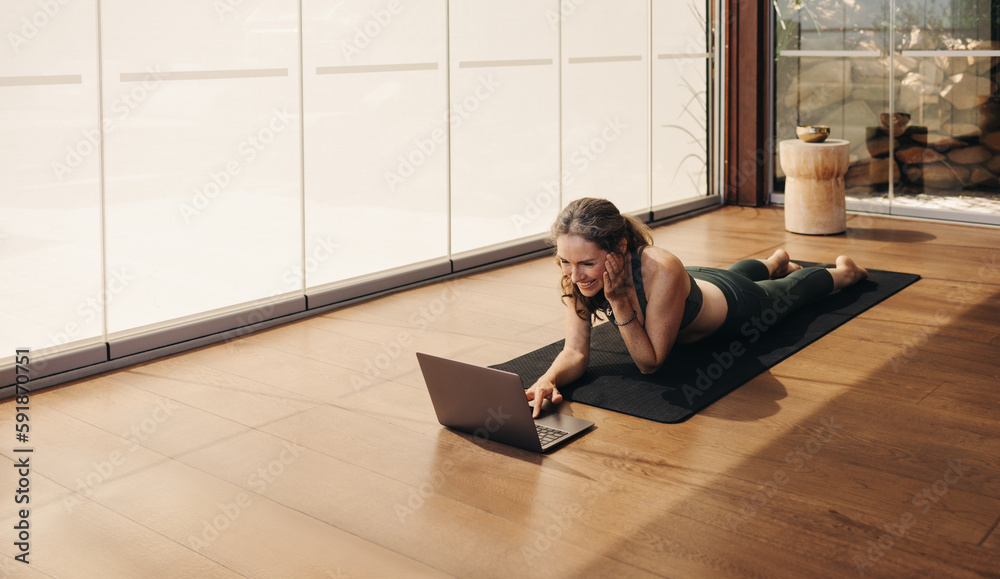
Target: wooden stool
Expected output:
[814,185]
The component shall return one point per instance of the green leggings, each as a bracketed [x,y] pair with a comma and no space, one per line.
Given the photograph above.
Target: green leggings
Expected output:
[754,300]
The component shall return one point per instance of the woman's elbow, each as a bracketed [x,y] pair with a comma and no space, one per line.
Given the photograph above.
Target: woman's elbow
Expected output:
[579,359]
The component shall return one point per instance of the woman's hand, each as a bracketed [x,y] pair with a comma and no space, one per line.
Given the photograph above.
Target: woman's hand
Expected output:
[539,392]
[617,277]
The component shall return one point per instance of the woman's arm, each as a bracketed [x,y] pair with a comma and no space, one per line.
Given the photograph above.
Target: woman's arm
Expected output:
[569,364]
[649,339]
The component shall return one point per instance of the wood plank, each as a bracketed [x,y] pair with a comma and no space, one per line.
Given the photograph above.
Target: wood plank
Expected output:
[75,537]
[371,485]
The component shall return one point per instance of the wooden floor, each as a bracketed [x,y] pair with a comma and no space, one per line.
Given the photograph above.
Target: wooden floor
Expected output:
[311,450]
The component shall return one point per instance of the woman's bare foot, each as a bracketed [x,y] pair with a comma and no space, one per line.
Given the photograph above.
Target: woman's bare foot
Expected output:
[847,273]
[780,264]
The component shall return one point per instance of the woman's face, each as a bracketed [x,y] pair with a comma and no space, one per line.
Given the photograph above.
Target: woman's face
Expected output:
[583,262]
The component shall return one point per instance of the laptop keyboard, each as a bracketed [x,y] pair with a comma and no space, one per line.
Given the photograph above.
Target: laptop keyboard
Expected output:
[547,434]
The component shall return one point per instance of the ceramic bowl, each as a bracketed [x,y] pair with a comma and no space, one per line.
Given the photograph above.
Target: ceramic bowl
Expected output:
[812,133]
[894,123]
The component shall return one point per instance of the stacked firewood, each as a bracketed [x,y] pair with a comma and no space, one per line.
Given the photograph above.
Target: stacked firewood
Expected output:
[946,135]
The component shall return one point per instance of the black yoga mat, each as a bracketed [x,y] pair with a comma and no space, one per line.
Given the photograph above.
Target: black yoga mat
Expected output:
[696,375]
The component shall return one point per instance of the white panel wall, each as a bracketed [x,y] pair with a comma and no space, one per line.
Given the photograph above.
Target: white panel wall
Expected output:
[680,144]
[50,221]
[202,167]
[504,119]
[605,103]
[166,161]
[376,136]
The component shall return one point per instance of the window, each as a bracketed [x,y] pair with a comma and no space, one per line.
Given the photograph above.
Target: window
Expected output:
[196,167]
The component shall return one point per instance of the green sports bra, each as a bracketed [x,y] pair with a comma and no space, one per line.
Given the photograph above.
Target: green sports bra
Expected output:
[692,303]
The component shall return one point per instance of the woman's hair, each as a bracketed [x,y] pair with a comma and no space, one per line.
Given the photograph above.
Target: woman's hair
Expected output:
[600,222]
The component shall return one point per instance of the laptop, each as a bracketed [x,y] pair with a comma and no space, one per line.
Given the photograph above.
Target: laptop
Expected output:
[490,405]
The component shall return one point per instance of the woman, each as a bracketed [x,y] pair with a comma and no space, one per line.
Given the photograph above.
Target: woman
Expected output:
[609,265]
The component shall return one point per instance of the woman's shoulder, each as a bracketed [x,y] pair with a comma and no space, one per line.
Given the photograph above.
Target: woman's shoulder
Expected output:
[662,271]
[661,260]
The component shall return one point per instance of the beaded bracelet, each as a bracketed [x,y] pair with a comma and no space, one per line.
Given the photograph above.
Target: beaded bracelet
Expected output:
[628,321]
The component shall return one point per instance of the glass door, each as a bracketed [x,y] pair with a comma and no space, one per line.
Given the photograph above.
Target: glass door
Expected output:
[912,84]
[946,60]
